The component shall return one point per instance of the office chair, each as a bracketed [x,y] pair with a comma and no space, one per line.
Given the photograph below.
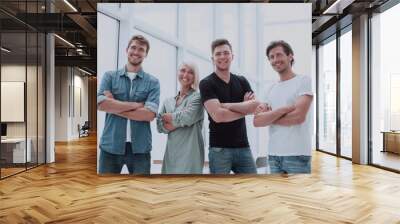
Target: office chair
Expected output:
[84,130]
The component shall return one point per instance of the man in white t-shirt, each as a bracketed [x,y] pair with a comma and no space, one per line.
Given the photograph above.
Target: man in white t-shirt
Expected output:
[287,113]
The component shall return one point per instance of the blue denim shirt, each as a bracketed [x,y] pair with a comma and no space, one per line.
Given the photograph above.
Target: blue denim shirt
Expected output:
[145,88]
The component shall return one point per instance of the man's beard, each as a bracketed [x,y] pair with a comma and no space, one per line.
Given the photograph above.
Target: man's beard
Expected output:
[136,64]
[283,70]
[279,70]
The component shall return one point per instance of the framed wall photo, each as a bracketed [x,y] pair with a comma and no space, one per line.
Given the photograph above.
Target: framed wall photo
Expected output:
[162,43]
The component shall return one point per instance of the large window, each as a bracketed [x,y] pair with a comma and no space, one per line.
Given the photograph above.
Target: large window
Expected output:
[385,89]
[250,40]
[228,28]
[335,73]
[327,97]
[163,17]
[346,94]
[199,19]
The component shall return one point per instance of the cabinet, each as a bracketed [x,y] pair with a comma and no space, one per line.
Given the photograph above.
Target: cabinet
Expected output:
[391,141]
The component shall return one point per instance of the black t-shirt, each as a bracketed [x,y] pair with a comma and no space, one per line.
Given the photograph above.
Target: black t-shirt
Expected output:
[230,134]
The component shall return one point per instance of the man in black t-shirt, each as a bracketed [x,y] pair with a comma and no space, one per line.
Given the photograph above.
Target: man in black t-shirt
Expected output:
[228,98]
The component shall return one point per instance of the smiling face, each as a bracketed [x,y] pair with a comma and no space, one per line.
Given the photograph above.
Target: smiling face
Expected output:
[136,53]
[186,76]
[222,57]
[279,60]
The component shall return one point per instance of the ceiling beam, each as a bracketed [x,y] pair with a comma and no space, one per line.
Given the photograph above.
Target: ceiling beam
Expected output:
[337,6]
[82,61]
[84,24]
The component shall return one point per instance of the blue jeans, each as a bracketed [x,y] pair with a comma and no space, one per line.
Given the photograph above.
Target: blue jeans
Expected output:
[137,163]
[289,164]
[223,160]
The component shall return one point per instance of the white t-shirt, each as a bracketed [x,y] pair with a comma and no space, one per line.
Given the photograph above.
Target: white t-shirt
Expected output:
[131,76]
[292,140]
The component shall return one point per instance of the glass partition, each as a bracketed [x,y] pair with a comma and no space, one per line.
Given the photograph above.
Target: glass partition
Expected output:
[22,87]
[14,153]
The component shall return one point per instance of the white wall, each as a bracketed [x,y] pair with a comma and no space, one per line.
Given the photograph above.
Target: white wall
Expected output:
[291,23]
[80,108]
[107,43]
[61,103]
[68,82]
[12,101]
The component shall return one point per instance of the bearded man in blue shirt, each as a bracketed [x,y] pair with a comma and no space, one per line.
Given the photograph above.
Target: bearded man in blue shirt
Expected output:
[130,98]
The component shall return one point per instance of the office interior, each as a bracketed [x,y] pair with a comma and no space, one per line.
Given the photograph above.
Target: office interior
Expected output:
[48,84]
[48,76]
[48,117]
[48,80]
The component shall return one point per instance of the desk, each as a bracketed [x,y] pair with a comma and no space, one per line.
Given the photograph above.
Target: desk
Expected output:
[391,141]
[13,150]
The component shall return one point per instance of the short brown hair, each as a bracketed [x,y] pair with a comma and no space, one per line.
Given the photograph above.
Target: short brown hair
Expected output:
[142,40]
[219,42]
[286,48]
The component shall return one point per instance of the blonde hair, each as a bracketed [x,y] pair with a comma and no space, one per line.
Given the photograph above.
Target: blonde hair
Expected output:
[195,70]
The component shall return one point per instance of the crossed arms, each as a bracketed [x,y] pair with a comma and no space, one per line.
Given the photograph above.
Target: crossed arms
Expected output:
[130,110]
[191,114]
[227,112]
[285,116]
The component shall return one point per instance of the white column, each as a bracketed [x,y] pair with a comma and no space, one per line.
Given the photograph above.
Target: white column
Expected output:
[50,99]
[360,90]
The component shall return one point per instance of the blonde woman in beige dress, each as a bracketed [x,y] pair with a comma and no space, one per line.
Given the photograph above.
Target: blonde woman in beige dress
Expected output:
[181,117]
